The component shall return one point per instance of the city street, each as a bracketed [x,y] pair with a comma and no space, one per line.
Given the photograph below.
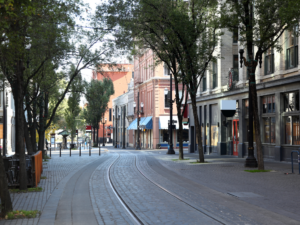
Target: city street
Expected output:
[126,186]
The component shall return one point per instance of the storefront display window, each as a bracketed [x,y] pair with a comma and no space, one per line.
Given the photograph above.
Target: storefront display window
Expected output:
[185,136]
[296,135]
[269,129]
[291,130]
[164,136]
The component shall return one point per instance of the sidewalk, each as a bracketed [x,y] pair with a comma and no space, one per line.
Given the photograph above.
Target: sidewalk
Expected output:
[55,170]
[274,191]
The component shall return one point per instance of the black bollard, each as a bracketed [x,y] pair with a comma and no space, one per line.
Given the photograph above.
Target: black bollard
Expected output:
[70,150]
[99,150]
[50,150]
[80,149]
[90,149]
[60,151]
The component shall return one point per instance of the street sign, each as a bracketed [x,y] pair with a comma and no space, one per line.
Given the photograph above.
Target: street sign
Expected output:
[173,121]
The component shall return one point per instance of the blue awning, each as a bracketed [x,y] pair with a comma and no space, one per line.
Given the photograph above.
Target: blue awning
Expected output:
[133,125]
[146,121]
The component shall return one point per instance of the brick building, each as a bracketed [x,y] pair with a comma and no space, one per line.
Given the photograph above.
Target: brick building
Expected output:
[120,75]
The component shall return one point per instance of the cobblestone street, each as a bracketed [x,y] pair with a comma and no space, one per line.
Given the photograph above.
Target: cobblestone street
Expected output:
[125,186]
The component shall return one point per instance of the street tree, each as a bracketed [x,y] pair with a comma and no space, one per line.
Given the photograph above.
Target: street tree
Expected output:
[182,34]
[62,44]
[97,94]
[261,24]
[73,109]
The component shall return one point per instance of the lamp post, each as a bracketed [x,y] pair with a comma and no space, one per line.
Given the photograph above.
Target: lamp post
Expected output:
[171,149]
[138,147]
[250,160]
[103,122]
[117,119]
[124,130]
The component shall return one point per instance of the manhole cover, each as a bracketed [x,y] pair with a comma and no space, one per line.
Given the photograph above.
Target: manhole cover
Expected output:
[244,194]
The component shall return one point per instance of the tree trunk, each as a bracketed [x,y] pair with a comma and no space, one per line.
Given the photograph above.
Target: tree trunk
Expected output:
[18,97]
[42,125]
[198,128]
[6,204]
[259,147]
[179,133]
[27,139]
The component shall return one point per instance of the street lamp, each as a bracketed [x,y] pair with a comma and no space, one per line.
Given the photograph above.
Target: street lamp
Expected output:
[138,147]
[124,129]
[250,160]
[118,117]
[171,149]
[103,122]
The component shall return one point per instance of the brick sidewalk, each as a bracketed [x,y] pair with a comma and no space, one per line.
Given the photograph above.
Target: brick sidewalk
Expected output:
[56,169]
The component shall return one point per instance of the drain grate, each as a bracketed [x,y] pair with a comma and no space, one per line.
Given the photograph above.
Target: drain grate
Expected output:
[244,195]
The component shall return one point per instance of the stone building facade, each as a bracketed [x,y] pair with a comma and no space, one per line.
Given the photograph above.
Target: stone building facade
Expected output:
[278,86]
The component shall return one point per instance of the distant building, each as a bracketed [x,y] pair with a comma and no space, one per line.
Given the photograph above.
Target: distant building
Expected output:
[120,75]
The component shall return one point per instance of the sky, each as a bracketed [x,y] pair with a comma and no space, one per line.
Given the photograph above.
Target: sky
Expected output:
[87,73]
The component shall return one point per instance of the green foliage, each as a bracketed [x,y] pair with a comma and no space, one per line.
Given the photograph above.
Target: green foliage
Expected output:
[73,109]
[97,95]
[35,189]
[270,20]
[21,214]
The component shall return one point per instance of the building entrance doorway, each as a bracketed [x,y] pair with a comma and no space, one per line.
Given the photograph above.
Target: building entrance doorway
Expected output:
[235,134]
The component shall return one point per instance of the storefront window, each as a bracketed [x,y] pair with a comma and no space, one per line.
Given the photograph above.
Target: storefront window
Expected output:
[164,136]
[185,136]
[246,102]
[296,135]
[287,130]
[291,101]
[269,129]
[214,135]
[273,127]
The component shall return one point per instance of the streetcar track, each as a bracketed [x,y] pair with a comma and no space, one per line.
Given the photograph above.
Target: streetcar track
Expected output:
[133,216]
[176,196]
[128,210]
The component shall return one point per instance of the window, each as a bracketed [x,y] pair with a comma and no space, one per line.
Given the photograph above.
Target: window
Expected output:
[291,101]
[110,114]
[292,48]
[235,35]
[268,104]
[246,103]
[235,68]
[215,74]
[269,62]
[269,129]
[292,131]
[185,136]
[164,136]
[167,71]
[167,101]
[204,82]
